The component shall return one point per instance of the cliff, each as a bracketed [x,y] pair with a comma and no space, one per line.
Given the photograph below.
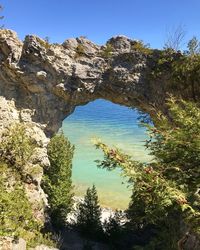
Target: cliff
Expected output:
[42,83]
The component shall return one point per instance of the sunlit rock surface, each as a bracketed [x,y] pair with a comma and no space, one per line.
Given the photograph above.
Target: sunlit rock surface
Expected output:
[42,83]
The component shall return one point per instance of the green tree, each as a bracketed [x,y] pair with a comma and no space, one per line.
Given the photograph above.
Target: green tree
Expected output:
[57,179]
[175,144]
[166,190]
[89,215]
[193,46]
[114,230]
[185,73]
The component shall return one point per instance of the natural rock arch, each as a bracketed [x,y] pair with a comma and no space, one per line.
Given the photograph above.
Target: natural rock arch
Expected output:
[43,83]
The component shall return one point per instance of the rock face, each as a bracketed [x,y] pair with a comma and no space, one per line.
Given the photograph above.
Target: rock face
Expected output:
[42,83]
[7,243]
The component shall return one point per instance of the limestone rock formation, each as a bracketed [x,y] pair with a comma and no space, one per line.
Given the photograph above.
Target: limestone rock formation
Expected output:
[42,83]
[8,243]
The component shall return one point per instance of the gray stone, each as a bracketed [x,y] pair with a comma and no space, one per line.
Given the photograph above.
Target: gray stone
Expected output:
[41,75]
[70,44]
[120,43]
[43,247]
[41,84]
[8,243]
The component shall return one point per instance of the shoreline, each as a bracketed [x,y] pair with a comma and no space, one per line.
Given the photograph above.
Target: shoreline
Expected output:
[114,200]
[106,212]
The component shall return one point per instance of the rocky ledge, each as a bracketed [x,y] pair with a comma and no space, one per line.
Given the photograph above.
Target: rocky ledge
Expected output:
[42,83]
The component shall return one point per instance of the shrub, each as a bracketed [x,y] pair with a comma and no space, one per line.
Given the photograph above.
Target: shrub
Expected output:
[44,43]
[16,146]
[16,214]
[80,51]
[141,47]
[107,51]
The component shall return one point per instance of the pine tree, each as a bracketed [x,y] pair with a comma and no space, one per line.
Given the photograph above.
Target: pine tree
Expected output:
[89,215]
[114,229]
[57,179]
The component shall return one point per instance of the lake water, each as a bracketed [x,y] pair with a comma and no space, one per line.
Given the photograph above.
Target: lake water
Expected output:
[114,125]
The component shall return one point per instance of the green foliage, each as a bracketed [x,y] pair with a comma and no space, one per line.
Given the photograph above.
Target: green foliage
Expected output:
[181,69]
[80,51]
[141,47]
[185,72]
[107,51]
[114,230]
[44,43]
[164,62]
[17,147]
[165,191]
[175,144]
[144,178]
[57,179]
[89,215]
[193,46]
[16,213]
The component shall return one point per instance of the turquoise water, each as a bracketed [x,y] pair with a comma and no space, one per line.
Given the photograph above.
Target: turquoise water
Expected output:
[114,125]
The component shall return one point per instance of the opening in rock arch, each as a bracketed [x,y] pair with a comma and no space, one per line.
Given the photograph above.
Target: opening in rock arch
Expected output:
[115,125]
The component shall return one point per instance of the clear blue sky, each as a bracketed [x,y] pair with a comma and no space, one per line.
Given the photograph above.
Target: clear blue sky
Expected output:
[101,19]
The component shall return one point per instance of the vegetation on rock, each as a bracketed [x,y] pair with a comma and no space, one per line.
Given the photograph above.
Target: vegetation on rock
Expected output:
[181,69]
[17,147]
[107,51]
[44,43]
[141,47]
[16,212]
[80,51]
[165,202]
